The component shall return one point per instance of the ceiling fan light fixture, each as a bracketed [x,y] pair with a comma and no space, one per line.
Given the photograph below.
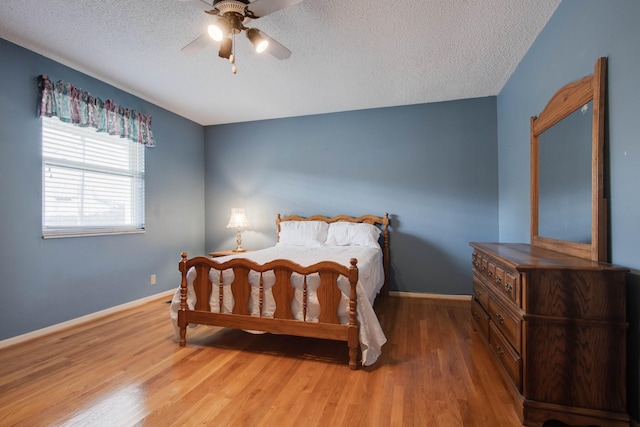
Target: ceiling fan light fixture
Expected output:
[225,48]
[262,46]
[259,42]
[215,32]
[218,30]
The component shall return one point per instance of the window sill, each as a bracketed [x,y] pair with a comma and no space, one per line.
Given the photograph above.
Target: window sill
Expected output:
[91,234]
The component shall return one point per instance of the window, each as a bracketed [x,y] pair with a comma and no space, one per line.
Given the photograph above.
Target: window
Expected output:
[93,182]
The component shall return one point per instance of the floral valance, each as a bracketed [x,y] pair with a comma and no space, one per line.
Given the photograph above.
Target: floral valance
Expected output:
[73,105]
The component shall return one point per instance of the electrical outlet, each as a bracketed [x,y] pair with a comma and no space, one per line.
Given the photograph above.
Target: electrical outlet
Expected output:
[153,279]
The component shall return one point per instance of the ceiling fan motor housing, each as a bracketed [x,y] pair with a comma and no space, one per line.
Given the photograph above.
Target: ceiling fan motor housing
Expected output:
[231,6]
[234,11]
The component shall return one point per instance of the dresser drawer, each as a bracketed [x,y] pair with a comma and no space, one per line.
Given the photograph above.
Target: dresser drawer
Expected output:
[507,283]
[480,319]
[498,277]
[480,293]
[509,323]
[511,286]
[491,269]
[509,359]
[475,260]
[483,264]
[503,279]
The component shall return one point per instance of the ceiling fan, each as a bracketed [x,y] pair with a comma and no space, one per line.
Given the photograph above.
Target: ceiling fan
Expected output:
[232,17]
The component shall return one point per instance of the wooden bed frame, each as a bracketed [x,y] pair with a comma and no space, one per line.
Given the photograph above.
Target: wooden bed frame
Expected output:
[282,322]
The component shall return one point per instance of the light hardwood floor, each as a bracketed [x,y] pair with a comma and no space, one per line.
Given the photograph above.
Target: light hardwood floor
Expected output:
[127,369]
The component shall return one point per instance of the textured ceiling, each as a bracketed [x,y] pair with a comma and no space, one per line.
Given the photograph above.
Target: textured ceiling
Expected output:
[347,55]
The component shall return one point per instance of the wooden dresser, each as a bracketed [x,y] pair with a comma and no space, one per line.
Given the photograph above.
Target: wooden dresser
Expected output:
[556,327]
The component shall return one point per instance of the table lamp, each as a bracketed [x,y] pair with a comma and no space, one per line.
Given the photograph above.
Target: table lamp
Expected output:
[238,220]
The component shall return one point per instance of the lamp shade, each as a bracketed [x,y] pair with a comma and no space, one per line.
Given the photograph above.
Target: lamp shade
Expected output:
[259,42]
[226,48]
[238,218]
[219,29]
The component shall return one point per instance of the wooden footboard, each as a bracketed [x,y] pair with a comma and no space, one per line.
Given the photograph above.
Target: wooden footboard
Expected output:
[283,321]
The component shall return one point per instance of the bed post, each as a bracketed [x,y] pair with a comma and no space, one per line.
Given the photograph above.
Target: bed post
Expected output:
[352,338]
[182,266]
[277,228]
[385,256]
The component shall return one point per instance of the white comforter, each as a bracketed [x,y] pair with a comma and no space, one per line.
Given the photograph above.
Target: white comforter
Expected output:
[371,279]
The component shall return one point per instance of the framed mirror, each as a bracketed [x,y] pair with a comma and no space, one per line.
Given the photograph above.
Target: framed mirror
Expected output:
[568,208]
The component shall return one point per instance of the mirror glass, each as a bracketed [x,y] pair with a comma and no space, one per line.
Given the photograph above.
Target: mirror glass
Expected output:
[565,178]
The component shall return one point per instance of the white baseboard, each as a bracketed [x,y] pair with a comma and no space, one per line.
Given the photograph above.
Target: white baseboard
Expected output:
[83,319]
[430,296]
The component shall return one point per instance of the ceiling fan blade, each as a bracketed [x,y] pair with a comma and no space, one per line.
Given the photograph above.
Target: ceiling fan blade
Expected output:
[262,8]
[275,48]
[200,4]
[198,44]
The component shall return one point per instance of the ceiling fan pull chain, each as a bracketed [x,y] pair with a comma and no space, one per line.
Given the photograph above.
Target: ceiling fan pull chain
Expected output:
[232,58]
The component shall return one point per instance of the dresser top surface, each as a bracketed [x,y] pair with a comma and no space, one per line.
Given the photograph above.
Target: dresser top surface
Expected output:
[523,256]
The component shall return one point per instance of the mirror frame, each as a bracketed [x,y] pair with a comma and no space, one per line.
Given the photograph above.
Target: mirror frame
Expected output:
[565,101]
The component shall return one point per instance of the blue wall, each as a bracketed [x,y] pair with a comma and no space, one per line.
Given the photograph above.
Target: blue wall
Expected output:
[45,282]
[577,34]
[432,167]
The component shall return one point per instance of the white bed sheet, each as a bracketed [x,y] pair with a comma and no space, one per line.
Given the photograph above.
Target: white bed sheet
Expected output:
[370,281]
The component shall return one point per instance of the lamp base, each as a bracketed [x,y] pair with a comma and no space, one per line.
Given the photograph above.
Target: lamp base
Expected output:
[239,242]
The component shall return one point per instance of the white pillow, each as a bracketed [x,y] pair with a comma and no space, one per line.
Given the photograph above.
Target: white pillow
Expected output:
[303,233]
[353,234]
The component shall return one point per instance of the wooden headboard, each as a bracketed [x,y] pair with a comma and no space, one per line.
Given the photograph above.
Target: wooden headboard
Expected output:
[367,219]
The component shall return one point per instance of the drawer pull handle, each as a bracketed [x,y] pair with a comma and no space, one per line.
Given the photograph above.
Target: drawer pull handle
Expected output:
[476,315]
[478,293]
[508,287]
[490,273]
[500,351]
[500,318]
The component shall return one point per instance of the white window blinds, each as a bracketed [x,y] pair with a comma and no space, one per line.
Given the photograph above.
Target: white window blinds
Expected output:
[93,182]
